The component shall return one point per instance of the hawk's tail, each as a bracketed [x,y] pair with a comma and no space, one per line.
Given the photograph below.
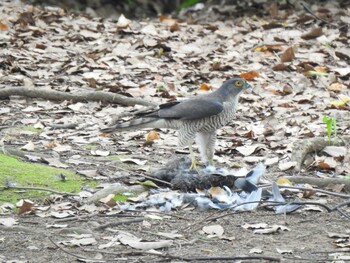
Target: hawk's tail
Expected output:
[136,123]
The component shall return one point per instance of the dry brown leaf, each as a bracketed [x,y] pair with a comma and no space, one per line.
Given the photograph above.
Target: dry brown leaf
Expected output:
[152,135]
[250,75]
[314,33]
[175,27]
[205,87]
[26,206]
[337,87]
[3,27]
[288,55]
[280,67]
[327,163]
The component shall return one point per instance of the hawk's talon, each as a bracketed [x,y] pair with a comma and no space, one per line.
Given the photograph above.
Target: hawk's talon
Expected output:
[195,164]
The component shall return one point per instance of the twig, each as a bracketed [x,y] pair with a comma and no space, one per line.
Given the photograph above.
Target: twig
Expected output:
[169,256]
[38,189]
[62,126]
[76,96]
[307,9]
[343,213]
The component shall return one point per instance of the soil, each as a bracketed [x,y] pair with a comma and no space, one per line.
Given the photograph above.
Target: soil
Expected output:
[307,238]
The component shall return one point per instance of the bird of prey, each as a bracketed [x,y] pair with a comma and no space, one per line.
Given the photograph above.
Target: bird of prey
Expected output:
[196,118]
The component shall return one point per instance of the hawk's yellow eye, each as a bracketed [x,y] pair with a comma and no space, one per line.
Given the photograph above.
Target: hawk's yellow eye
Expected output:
[239,83]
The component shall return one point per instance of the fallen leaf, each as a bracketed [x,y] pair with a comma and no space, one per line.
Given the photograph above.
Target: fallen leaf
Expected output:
[29,146]
[250,75]
[100,153]
[340,103]
[80,242]
[3,27]
[55,162]
[26,206]
[152,135]
[335,87]
[283,181]
[327,163]
[133,160]
[283,166]
[216,230]
[247,149]
[123,22]
[288,55]
[335,151]
[314,33]
[205,87]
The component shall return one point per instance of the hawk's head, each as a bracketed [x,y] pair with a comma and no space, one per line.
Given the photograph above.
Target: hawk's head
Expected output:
[234,87]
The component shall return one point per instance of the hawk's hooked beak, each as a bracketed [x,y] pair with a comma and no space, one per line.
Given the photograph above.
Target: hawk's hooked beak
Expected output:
[249,87]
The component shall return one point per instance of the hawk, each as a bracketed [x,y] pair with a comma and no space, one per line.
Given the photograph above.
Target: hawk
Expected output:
[197,118]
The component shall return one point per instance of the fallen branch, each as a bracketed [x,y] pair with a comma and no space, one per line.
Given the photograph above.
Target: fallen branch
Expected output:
[319,182]
[313,189]
[76,96]
[303,147]
[63,126]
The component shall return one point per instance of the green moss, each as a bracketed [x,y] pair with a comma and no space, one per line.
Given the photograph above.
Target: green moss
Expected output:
[35,175]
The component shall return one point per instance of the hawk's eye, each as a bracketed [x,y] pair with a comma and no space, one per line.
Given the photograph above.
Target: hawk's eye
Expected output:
[238,83]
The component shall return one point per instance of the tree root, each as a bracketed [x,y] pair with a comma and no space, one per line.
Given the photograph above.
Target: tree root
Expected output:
[76,96]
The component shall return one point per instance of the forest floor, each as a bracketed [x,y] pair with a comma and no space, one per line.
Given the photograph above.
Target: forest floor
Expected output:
[54,65]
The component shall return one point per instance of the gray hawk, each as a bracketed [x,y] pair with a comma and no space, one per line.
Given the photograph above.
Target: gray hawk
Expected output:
[196,118]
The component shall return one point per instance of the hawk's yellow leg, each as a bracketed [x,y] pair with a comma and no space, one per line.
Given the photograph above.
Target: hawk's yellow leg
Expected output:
[194,162]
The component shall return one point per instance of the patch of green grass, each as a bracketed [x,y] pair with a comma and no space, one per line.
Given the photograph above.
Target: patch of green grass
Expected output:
[35,175]
[331,124]
[121,197]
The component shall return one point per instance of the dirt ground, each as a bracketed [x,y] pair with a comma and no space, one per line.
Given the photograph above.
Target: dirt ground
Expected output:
[307,238]
[54,50]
